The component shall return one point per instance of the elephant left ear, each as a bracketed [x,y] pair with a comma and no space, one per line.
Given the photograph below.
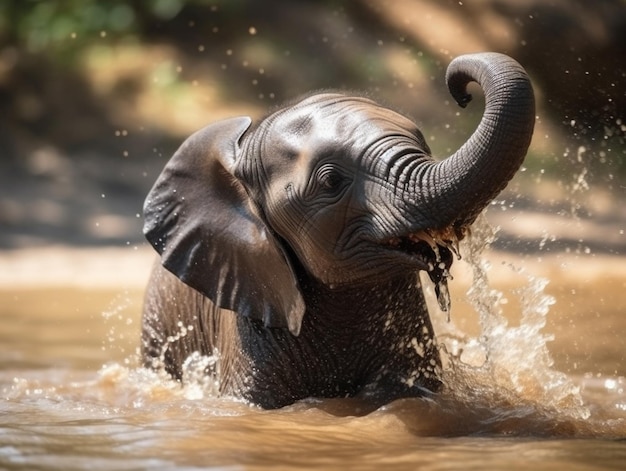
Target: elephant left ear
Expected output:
[199,217]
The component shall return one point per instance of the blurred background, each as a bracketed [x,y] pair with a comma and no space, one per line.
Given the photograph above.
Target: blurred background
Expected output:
[96,95]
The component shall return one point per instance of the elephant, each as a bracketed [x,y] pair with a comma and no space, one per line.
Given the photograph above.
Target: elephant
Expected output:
[291,247]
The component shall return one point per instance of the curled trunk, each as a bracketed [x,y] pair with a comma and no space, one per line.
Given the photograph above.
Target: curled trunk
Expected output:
[456,189]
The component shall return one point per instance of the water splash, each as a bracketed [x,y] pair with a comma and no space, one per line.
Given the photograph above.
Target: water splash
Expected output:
[506,370]
[201,375]
[122,329]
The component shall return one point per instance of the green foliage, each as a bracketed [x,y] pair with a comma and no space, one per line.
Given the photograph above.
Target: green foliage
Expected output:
[261,52]
[50,26]
[63,28]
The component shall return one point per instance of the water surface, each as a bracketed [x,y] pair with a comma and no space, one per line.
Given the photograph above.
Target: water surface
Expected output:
[535,379]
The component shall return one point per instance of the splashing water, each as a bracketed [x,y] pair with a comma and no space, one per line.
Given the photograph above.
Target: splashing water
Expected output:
[201,375]
[498,382]
[502,380]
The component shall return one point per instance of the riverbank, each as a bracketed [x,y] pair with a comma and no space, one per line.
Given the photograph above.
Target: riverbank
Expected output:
[129,266]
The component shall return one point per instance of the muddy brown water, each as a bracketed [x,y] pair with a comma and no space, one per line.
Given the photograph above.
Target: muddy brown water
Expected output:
[535,380]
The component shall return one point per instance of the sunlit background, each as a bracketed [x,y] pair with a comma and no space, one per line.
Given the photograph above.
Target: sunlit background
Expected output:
[96,95]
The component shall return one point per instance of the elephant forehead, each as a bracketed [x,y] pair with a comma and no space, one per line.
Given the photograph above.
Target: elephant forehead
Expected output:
[337,121]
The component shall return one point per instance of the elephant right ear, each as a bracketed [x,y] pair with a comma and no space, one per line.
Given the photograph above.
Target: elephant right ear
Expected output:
[199,217]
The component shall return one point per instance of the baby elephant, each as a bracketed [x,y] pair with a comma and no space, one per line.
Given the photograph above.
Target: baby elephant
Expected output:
[292,246]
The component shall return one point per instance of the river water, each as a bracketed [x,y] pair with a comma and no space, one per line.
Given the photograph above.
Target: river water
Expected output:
[534,373]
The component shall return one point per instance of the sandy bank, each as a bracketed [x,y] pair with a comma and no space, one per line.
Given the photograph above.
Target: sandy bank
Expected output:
[129,267]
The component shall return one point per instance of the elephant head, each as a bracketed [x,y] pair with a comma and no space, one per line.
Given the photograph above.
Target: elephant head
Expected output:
[335,188]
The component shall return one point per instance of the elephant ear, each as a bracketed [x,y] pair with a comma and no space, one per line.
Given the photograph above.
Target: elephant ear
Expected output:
[199,217]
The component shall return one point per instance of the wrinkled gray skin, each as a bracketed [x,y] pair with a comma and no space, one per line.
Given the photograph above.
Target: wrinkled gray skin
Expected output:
[293,247]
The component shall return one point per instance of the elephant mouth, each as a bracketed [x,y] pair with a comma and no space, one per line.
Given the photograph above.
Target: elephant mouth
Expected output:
[434,252]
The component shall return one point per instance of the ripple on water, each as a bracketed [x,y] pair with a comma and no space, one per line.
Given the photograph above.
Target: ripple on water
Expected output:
[131,417]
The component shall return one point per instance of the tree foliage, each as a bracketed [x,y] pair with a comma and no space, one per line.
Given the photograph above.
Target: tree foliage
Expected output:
[257,54]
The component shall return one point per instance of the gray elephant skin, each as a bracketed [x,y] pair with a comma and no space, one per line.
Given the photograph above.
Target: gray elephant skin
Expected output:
[292,247]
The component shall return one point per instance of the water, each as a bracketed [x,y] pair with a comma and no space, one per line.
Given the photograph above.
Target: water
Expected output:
[526,387]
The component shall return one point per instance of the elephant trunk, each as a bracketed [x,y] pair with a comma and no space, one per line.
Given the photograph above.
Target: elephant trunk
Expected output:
[459,187]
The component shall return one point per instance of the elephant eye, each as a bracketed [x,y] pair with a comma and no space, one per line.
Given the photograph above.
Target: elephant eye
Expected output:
[329,178]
